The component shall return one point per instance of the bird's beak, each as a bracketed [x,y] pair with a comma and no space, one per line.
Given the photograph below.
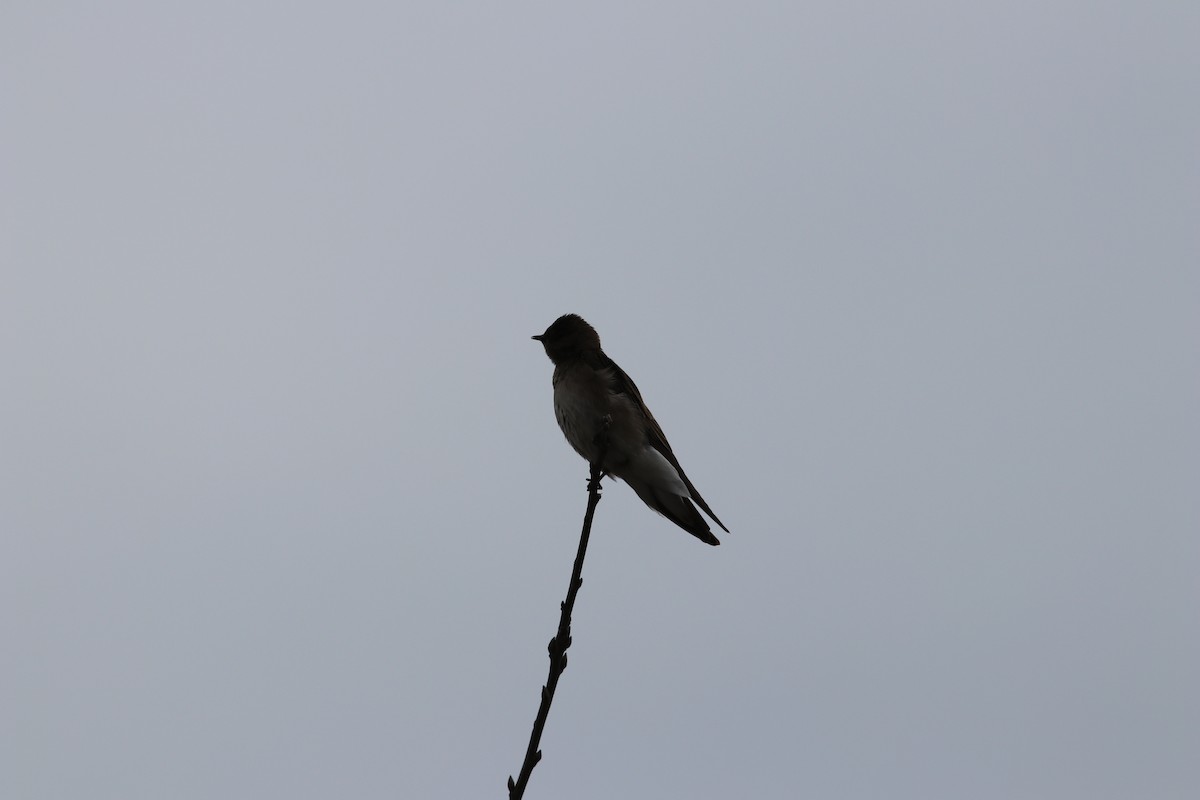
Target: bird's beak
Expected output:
[538,337]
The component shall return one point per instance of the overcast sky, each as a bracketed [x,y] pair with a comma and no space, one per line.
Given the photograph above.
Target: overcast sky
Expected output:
[913,289]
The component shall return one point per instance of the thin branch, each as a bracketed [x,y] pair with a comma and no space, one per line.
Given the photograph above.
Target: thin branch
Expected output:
[561,641]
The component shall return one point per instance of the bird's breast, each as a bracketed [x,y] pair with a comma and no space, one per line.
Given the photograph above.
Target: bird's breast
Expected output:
[583,403]
[579,409]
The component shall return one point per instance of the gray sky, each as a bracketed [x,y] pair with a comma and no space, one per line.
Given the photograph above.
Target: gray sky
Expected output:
[912,288]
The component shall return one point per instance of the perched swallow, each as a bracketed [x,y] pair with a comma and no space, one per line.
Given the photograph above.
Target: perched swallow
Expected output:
[590,392]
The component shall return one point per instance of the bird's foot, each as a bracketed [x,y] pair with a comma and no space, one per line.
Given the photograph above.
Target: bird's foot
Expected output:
[593,484]
[601,442]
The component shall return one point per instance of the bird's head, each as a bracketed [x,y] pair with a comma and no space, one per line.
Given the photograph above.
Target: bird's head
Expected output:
[569,337]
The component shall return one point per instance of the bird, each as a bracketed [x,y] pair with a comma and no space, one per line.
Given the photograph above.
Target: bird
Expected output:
[603,415]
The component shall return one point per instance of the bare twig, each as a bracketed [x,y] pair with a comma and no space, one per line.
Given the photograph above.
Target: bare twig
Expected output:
[561,641]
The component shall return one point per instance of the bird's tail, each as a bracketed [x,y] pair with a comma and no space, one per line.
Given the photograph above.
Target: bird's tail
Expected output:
[674,507]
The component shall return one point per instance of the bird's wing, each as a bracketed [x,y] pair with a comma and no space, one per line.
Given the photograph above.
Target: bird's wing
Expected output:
[621,383]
